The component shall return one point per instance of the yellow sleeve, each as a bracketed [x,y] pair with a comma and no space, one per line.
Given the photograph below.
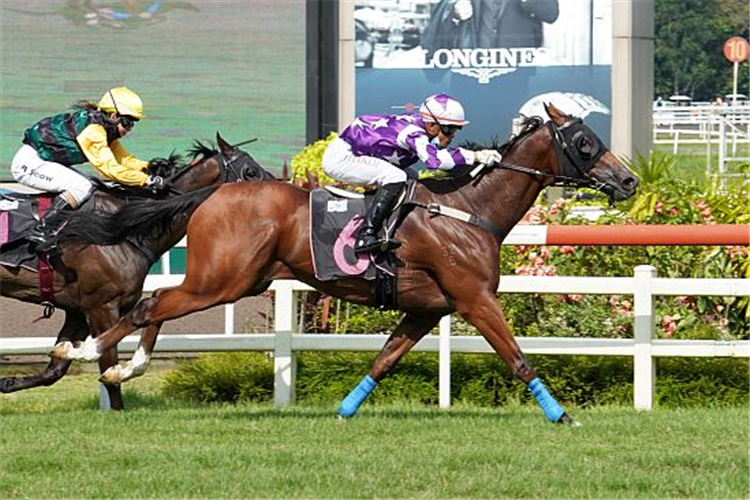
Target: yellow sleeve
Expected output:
[93,142]
[126,159]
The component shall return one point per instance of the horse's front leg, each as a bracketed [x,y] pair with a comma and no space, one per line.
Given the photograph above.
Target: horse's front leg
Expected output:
[101,320]
[485,314]
[405,336]
[138,364]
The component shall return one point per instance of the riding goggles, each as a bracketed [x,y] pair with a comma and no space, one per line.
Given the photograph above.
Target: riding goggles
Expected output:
[449,130]
[127,121]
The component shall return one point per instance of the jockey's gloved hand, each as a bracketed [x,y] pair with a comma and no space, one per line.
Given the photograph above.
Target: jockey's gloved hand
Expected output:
[157,183]
[488,157]
[156,163]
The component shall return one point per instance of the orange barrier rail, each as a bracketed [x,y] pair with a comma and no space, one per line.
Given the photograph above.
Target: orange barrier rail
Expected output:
[718,234]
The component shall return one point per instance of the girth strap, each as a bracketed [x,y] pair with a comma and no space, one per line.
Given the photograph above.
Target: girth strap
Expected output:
[46,273]
[455,213]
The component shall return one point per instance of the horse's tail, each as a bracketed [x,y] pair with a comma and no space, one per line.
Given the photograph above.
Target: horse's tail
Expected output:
[139,219]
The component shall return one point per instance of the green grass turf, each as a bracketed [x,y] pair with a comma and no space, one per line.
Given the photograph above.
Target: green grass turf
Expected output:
[54,443]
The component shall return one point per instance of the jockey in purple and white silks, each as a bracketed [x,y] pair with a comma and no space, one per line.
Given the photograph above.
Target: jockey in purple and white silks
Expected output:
[374,150]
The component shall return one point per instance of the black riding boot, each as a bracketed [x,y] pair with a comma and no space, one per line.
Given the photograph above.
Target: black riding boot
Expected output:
[42,235]
[382,203]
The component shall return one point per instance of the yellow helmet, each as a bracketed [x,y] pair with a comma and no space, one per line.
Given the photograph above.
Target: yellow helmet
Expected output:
[122,100]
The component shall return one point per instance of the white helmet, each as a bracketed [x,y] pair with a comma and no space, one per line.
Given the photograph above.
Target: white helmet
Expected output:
[444,109]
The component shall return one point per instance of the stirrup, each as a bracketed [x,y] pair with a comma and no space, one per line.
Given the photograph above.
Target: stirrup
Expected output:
[41,242]
[39,234]
[43,247]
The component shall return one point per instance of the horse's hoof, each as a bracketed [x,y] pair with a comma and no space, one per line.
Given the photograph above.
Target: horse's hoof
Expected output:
[568,420]
[7,385]
[61,350]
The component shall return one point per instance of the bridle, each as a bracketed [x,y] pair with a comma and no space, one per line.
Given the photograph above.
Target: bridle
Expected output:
[577,149]
[228,165]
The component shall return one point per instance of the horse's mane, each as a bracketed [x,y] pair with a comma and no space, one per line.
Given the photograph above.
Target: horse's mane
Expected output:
[448,181]
[529,125]
[202,150]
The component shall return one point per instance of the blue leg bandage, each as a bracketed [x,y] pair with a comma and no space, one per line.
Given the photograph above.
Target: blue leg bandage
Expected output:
[552,409]
[351,403]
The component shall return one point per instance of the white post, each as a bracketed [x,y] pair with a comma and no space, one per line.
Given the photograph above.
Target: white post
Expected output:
[632,76]
[722,148]
[229,319]
[285,360]
[444,378]
[734,84]
[166,267]
[643,362]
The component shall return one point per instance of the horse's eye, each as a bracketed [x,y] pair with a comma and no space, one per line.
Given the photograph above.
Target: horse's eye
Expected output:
[585,145]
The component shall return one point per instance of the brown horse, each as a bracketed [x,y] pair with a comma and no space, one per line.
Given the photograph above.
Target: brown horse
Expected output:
[95,285]
[247,235]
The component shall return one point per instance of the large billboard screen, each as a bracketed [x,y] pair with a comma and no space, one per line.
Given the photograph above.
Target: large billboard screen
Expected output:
[500,58]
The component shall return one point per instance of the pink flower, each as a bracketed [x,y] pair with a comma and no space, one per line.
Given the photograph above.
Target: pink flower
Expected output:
[535,215]
[659,207]
[523,270]
[570,298]
[704,209]
[669,326]
[684,300]
[737,252]
[567,250]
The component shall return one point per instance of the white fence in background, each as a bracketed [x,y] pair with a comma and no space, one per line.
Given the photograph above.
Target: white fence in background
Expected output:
[725,127]
[285,342]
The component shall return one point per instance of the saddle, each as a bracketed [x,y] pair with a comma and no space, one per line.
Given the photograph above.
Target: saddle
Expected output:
[336,215]
[19,212]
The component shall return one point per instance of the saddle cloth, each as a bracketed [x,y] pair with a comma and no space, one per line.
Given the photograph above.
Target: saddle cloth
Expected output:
[18,213]
[335,217]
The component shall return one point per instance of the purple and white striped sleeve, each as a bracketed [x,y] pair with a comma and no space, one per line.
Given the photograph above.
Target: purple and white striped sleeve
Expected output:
[415,139]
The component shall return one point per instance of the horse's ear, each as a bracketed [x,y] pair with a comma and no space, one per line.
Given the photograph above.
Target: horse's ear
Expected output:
[557,116]
[224,146]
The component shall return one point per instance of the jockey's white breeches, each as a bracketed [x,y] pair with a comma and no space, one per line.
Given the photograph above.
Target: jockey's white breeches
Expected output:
[31,170]
[340,163]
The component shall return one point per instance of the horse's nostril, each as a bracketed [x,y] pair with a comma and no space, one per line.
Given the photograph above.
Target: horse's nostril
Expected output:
[630,182]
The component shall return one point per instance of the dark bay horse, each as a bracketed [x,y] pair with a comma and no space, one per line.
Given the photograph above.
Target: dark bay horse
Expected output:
[246,235]
[95,285]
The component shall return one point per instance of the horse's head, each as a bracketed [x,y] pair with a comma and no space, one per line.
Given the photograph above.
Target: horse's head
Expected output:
[240,166]
[583,158]
[211,166]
